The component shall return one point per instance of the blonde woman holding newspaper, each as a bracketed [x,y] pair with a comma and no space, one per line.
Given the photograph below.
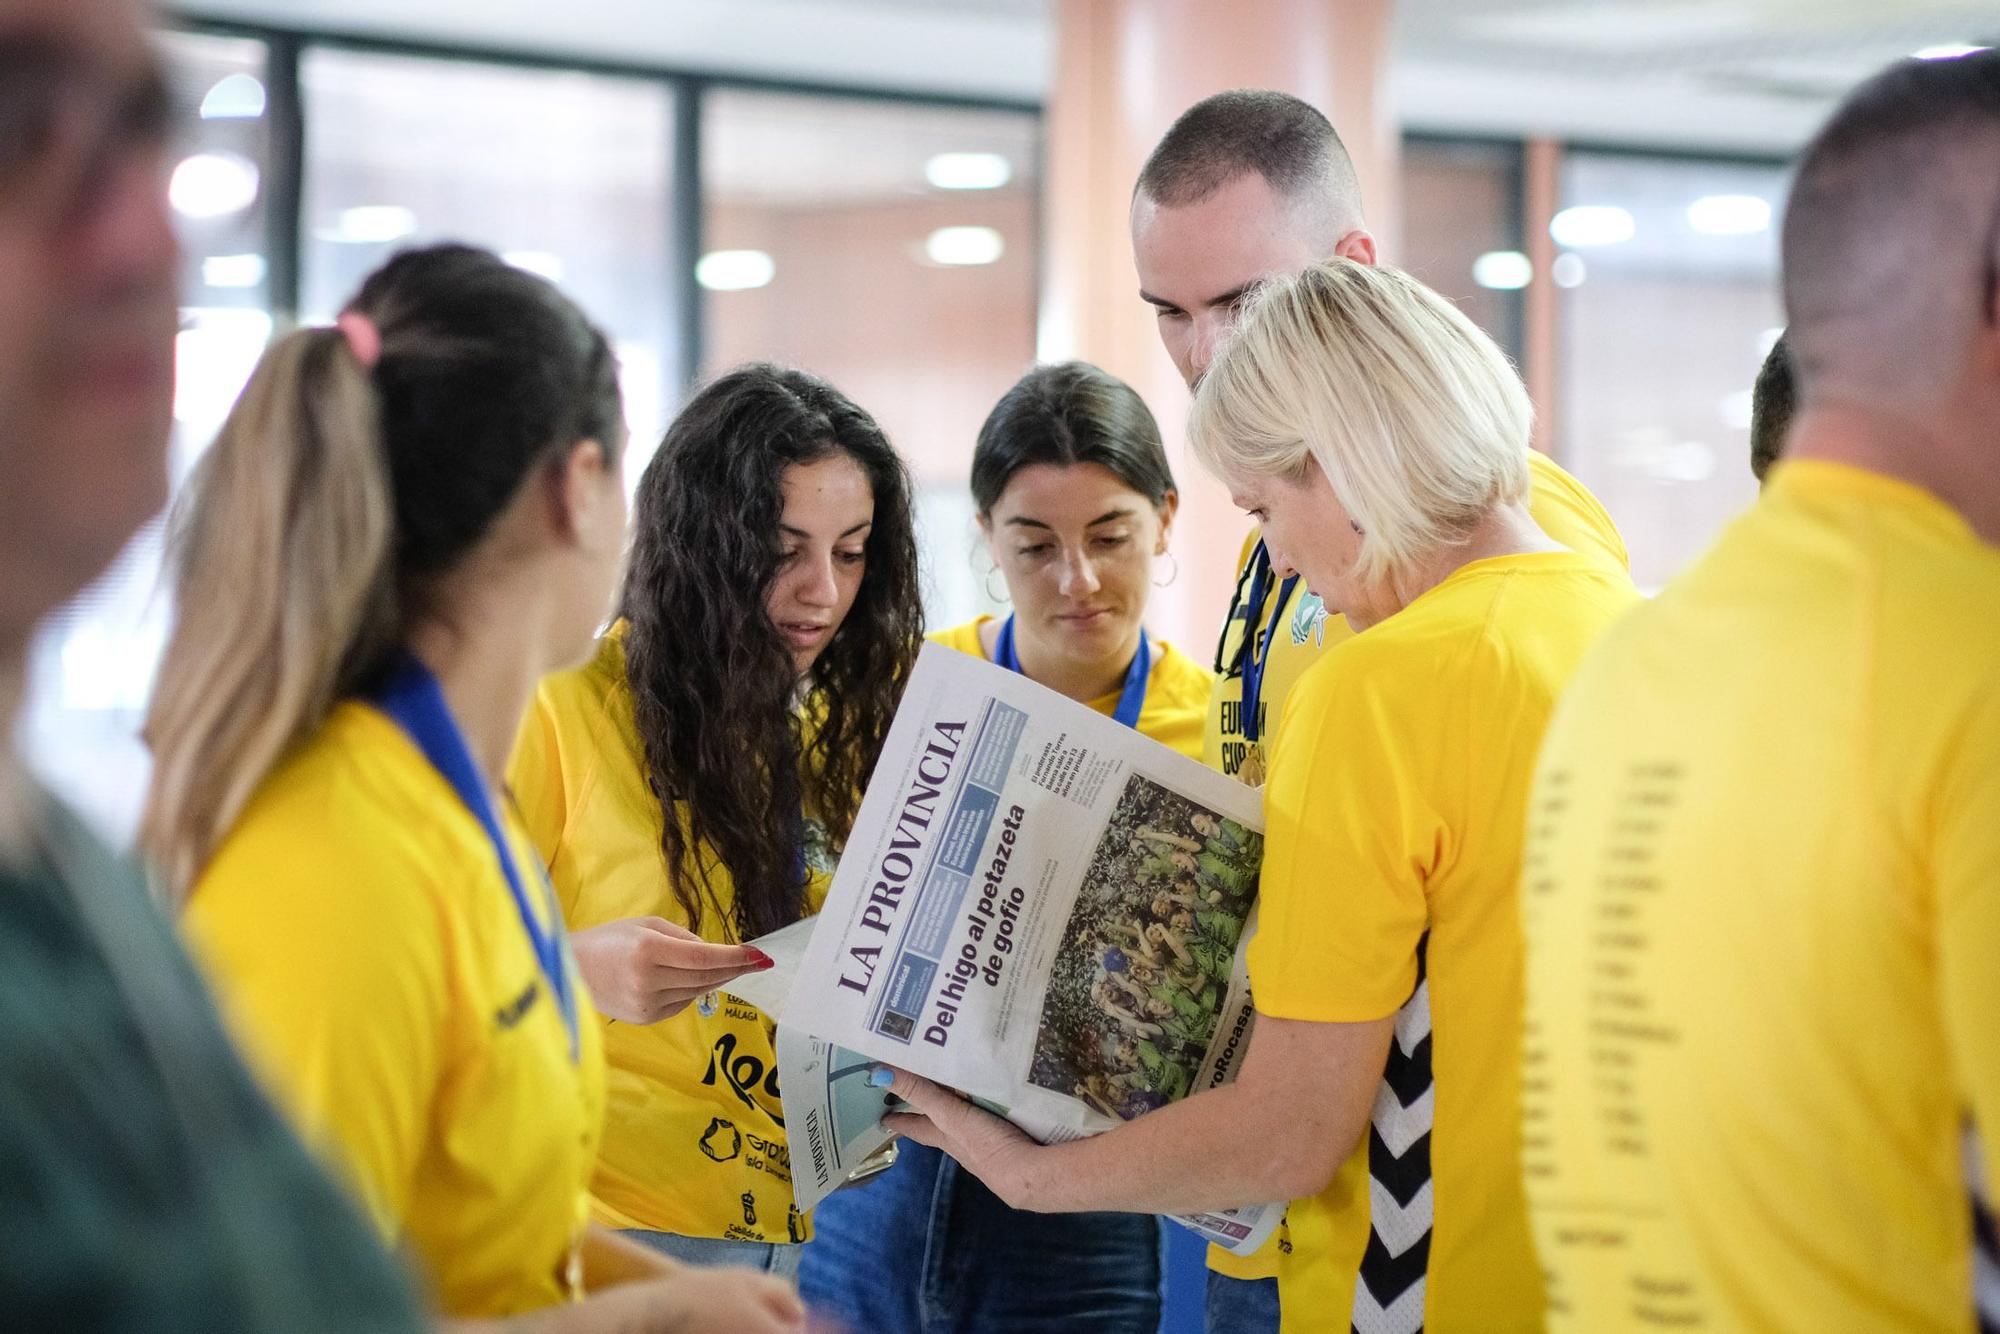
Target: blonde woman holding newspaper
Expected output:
[1381,440]
[1076,502]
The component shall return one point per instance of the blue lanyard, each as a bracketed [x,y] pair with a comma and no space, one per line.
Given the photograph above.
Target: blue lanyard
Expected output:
[1258,656]
[414,700]
[1131,700]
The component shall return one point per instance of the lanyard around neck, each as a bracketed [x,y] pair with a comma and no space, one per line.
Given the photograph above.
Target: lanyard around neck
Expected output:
[1257,636]
[414,700]
[1131,699]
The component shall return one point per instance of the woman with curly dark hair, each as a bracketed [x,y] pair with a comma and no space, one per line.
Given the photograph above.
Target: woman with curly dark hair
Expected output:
[690,786]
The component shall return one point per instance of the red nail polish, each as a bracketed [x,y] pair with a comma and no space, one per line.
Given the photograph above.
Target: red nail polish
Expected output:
[761,960]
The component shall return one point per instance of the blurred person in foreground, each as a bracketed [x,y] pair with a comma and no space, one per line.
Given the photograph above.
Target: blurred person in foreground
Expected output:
[145,1184]
[1764,873]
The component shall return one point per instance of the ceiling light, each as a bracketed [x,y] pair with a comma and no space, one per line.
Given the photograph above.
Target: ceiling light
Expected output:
[372,224]
[968,171]
[232,270]
[1738,409]
[1948,51]
[236,97]
[213,185]
[964,246]
[545,263]
[1503,270]
[1568,270]
[1729,215]
[734,270]
[1592,224]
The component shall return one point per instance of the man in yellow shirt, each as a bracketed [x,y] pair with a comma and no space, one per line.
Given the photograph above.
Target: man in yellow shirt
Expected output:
[1246,186]
[1762,893]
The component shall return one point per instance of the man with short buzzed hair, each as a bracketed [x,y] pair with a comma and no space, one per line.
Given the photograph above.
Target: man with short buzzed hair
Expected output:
[1763,886]
[1245,186]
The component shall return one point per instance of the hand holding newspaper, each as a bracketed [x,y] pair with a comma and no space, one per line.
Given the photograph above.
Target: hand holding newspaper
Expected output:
[1038,907]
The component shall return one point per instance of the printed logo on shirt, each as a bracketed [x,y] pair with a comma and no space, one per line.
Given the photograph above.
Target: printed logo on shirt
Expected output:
[510,1014]
[722,1141]
[1309,620]
[726,1142]
[746,1076]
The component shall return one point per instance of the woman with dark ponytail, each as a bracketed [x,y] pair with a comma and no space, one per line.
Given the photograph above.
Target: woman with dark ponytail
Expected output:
[689,787]
[407,520]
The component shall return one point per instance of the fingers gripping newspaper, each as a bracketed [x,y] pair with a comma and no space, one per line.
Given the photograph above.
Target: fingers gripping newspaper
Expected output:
[1038,907]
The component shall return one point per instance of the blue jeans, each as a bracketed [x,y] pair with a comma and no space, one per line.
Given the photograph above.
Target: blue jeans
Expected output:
[1242,1305]
[721,1252]
[925,1248]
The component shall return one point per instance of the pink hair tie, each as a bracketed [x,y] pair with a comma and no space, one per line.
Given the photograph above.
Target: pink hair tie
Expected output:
[363,338]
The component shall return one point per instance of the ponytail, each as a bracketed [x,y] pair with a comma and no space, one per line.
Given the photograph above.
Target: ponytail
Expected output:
[338,493]
[284,589]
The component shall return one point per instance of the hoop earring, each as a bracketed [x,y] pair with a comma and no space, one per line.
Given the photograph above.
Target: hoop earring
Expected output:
[1175,575]
[992,596]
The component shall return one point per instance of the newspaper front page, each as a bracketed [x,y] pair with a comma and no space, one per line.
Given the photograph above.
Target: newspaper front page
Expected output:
[1038,907]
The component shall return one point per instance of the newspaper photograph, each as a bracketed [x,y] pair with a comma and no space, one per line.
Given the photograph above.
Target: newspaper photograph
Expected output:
[1038,907]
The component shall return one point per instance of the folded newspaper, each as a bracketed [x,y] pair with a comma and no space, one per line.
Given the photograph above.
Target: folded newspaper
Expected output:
[1038,907]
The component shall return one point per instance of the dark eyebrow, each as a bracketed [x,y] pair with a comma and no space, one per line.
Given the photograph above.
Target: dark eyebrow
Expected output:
[802,533]
[1229,298]
[1124,512]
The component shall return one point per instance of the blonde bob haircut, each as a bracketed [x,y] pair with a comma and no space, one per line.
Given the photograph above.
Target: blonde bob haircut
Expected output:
[1415,417]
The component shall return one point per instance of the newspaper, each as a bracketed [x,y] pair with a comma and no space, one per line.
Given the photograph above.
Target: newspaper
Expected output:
[1038,907]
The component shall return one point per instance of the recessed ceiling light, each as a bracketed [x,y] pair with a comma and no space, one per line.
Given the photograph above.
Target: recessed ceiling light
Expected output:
[734,270]
[546,263]
[1568,270]
[213,185]
[1583,225]
[1738,409]
[1729,215]
[1503,270]
[1948,51]
[234,97]
[968,171]
[232,270]
[371,224]
[960,246]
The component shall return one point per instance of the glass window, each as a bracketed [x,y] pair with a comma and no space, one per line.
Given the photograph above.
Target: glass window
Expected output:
[1461,212]
[889,247]
[92,665]
[1669,302]
[564,173]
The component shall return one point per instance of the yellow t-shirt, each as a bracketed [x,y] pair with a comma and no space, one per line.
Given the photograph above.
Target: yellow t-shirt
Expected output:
[1563,506]
[1566,511]
[1763,919]
[1394,821]
[1177,689]
[694,1137]
[373,962]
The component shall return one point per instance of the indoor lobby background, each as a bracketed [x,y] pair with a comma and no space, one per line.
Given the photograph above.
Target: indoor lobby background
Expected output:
[917,198]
